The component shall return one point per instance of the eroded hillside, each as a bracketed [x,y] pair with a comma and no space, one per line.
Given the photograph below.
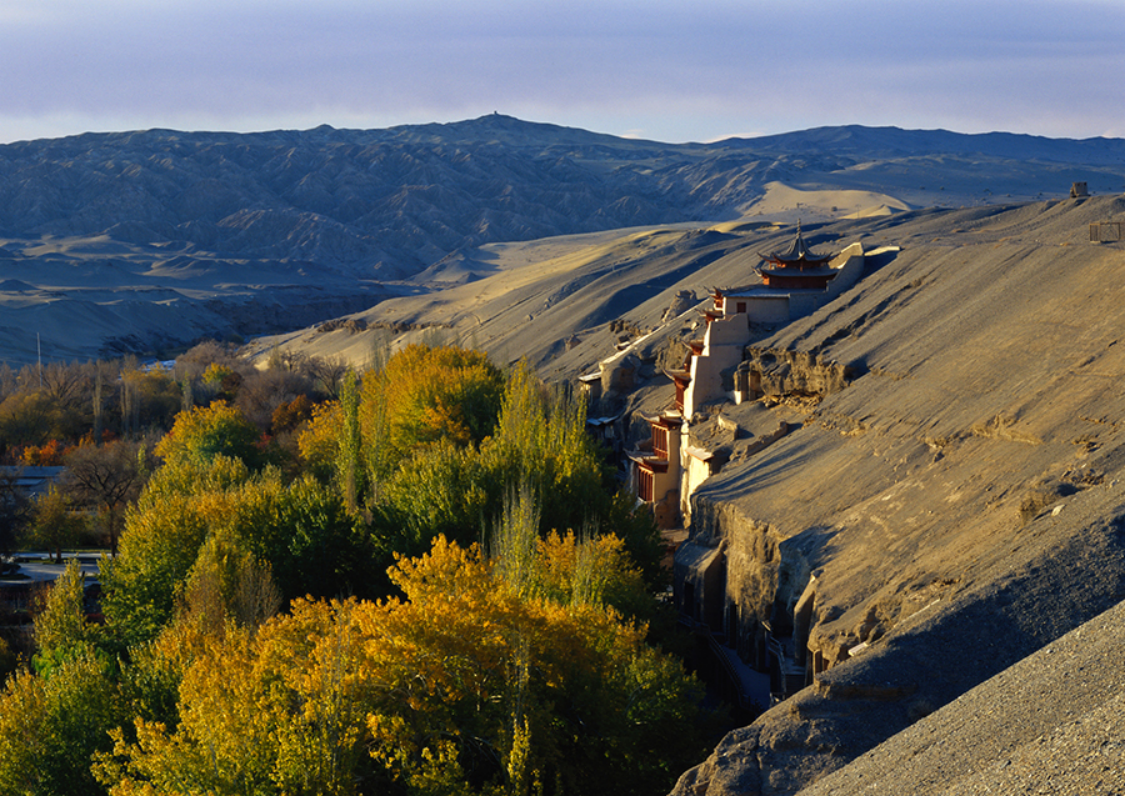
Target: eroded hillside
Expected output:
[158,238]
[953,509]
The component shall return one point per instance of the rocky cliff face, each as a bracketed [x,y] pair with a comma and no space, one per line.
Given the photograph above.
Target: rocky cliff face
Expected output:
[952,509]
[774,372]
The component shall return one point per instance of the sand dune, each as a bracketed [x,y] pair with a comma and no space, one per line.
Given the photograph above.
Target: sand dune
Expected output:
[540,293]
[785,202]
[874,210]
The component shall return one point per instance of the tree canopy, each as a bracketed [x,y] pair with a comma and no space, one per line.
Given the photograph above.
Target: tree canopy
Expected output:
[462,686]
[439,590]
[203,433]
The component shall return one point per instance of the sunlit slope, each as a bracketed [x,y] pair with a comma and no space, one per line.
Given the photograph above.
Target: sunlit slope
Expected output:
[959,503]
[529,299]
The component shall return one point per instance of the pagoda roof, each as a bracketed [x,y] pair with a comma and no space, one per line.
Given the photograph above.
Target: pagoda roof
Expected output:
[798,252]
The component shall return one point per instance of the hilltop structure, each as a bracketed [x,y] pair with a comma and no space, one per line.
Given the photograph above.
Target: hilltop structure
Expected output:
[793,284]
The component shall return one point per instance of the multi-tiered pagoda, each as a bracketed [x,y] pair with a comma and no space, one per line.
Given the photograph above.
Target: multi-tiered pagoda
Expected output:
[798,268]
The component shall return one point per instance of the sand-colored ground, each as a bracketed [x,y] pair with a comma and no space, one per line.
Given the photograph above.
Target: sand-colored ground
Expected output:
[985,360]
[526,299]
[1049,724]
[959,504]
[784,202]
[270,232]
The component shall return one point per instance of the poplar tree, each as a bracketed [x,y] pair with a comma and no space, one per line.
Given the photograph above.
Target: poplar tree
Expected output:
[350,476]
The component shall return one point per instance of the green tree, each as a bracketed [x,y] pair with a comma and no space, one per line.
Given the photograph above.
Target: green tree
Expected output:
[429,394]
[443,490]
[541,438]
[207,432]
[350,475]
[61,628]
[313,544]
[28,418]
[54,525]
[149,399]
[318,441]
[302,530]
[163,533]
[541,447]
[52,722]
[9,660]
[463,685]
[15,510]
[51,727]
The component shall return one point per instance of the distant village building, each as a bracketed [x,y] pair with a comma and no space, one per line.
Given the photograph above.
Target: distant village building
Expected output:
[1079,190]
[32,480]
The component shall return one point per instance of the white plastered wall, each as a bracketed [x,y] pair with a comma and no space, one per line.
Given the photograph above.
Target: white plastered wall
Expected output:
[696,471]
[850,264]
[722,348]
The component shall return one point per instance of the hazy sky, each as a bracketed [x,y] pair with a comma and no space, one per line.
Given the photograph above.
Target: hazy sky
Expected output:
[671,70]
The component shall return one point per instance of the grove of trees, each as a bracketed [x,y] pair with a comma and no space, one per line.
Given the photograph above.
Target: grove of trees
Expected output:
[416,579]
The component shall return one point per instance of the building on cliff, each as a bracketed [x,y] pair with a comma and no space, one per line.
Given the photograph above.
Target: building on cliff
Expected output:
[655,468]
[793,284]
[689,444]
[666,469]
[798,268]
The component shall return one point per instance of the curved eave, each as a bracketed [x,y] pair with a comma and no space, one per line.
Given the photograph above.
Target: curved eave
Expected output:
[802,261]
[830,273]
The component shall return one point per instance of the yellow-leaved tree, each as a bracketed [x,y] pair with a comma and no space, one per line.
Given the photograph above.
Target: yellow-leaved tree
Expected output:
[463,685]
[218,429]
[53,719]
[428,394]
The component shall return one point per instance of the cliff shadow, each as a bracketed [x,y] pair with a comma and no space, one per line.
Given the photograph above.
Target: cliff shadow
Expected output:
[766,469]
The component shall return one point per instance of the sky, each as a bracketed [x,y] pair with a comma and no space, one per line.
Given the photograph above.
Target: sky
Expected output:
[667,70]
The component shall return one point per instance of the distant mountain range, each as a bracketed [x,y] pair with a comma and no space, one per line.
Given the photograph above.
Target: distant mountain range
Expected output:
[328,208]
[387,203]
